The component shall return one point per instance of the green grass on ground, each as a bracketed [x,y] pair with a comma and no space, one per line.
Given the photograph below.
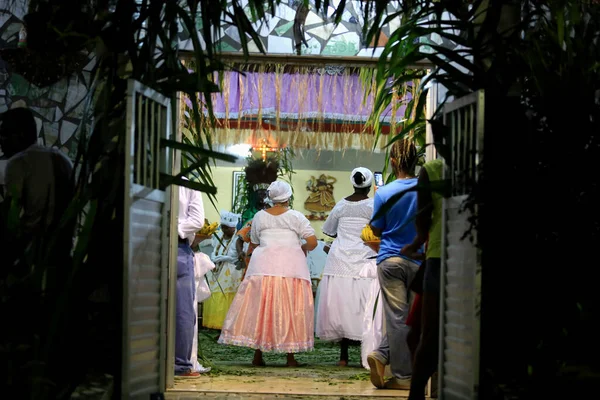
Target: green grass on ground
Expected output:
[320,364]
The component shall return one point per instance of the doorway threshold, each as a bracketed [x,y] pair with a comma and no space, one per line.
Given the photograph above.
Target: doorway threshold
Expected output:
[238,381]
[240,387]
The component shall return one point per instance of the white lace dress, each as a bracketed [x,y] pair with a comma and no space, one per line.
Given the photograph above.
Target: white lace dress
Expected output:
[343,293]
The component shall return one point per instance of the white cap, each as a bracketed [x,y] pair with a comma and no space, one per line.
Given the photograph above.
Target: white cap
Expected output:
[366,173]
[229,219]
[279,191]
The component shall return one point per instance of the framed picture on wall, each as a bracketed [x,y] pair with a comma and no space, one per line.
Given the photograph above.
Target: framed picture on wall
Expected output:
[238,185]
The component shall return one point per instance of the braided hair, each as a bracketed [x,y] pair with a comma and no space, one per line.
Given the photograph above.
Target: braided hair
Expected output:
[404,153]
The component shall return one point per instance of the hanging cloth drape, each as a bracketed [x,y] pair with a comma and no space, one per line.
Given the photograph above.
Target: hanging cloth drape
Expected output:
[303,95]
[301,108]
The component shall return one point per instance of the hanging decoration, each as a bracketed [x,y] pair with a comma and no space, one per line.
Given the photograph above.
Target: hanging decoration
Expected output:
[258,175]
[264,148]
[325,108]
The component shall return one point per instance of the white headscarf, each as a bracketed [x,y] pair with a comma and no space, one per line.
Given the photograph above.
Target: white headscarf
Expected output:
[279,192]
[366,173]
[229,219]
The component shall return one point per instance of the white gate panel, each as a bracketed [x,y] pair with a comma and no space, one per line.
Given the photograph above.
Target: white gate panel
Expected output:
[146,245]
[461,267]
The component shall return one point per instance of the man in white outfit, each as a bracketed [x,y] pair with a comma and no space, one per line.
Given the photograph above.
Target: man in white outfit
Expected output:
[191,220]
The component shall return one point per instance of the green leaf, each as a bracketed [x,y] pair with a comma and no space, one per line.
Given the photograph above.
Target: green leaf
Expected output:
[375,305]
[167,180]
[197,150]
[440,186]
[460,77]
[188,83]
[245,26]
[391,202]
[560,25]
[441,136]
[458,57]
[187,134]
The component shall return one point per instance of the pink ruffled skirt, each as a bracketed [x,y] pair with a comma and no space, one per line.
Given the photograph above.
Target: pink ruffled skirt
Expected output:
[271,313]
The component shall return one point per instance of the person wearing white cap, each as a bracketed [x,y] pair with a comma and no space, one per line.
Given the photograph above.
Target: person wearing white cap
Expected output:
[273,309]
[225,279]
[343,293]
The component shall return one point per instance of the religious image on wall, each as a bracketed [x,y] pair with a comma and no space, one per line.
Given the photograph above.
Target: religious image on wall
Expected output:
[320,200]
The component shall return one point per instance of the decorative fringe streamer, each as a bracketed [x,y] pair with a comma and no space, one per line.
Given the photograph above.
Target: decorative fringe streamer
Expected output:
[346,93]
[241,99]
[278,81]
[307,85]
[259,90]
[320,104]
[226,92]
[395,106]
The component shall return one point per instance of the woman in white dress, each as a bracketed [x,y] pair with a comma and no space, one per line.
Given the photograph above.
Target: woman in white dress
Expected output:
[343,293]
[273,309]
[225,279]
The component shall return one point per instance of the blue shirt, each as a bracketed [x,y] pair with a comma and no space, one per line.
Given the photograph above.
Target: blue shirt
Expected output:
[398,223]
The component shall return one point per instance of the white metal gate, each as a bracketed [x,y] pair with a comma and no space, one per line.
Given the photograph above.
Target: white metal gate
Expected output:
[146,244]
[461,267]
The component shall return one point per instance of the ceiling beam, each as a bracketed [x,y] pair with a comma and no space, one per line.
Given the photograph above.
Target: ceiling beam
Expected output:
[309,60]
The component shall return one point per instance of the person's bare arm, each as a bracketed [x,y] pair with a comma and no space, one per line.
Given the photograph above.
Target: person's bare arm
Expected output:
[251,247]
[239,245]
[424,207]
[377,204]
[311,243]
[196,243]
[376,231]
[423,218]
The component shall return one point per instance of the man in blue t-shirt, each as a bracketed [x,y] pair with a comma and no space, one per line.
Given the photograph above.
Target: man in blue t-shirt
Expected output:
[396,227]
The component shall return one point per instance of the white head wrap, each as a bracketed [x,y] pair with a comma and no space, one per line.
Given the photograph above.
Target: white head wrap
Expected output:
[279,191]
[229,219]
[366,173]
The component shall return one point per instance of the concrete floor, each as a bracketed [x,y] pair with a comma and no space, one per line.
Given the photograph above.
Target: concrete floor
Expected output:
[235,382]
[267,388]
[233,377]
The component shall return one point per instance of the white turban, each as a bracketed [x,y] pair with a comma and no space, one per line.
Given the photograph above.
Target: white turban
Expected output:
[229,219]
[366,173]
[279,191]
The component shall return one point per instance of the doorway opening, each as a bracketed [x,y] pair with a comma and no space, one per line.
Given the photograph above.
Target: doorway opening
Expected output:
[330,136]
[232,372]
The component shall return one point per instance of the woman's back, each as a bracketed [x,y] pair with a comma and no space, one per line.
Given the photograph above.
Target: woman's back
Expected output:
[279,239]
[287,228]
[348,253]
[353,216]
